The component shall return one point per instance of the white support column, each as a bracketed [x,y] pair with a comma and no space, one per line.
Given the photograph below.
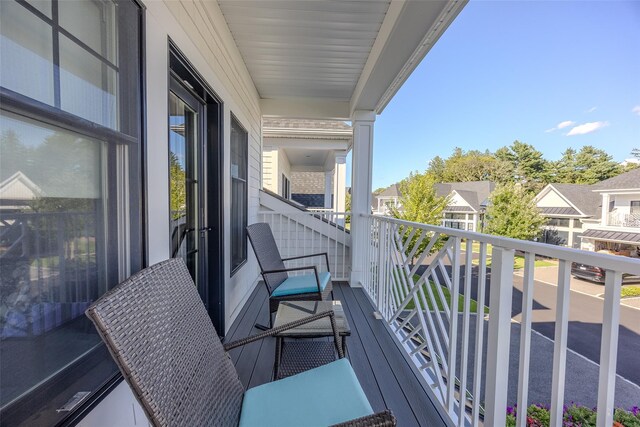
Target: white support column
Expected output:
[340,182]
[361,173]
[328,176]
[605,209]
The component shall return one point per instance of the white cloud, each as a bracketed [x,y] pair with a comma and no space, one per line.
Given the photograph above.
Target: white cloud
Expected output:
[636,110]
[586,128]
[591,110]
[561,125]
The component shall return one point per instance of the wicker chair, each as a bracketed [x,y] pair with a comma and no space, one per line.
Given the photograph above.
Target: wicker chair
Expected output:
[281,287]
[160,335]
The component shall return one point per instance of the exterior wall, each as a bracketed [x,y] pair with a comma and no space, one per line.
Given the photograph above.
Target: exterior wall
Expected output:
[457,200]
[570,232]
[270,174]
[284,167]
[552,200]
[199,30]
[466,221]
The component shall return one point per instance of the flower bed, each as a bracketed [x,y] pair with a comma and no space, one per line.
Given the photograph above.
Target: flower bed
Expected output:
[538,415]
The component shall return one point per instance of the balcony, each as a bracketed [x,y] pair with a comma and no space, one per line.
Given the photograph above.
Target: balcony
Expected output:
[521,353]
[619,219]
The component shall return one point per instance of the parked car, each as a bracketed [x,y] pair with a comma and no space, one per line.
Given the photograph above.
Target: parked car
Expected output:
[597,274]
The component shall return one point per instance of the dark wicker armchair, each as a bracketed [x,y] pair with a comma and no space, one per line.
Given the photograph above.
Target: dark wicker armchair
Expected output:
[160,335]
[282,287]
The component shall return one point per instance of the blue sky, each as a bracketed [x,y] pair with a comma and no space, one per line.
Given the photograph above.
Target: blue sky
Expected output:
[507,70]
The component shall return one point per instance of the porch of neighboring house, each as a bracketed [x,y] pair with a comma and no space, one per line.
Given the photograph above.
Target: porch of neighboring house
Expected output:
[388,379]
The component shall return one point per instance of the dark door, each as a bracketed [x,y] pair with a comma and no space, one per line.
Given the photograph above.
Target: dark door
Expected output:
[195,192]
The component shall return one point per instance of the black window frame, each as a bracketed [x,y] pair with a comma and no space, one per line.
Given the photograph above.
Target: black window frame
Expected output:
[48,395]
[240,218]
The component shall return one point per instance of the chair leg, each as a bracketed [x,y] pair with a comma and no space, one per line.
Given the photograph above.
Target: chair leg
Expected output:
[264,327]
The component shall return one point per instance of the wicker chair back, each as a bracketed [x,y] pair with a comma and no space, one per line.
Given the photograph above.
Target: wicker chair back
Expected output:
[160,335]
[267,253]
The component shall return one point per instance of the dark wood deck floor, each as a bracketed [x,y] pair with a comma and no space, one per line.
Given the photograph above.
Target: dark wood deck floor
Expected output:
[385,375]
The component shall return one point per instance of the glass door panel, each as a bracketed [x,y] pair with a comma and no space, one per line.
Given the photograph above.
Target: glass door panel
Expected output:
[183,183]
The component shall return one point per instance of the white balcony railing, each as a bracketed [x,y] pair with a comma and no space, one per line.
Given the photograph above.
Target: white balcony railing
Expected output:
[402,280]
[305,233]
[616,219]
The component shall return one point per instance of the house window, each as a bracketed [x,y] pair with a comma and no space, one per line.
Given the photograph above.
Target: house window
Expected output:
[286,187]
[239,160]
[70,215]
[635,207]
[558,222]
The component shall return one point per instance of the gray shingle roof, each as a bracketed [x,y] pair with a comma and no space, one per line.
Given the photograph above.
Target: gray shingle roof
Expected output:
[559,211]
[305,124]
[391,191]
[613,236]
[625,180]
[475,193]
[582,197]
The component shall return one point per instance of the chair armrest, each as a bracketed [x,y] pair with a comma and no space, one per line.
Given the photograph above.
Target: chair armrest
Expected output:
[284,270]
[381,419]
[326,257]
[273,331]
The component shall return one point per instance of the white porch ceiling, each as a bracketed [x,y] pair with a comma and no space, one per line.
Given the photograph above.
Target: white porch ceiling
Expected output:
[305,48]
[329,58]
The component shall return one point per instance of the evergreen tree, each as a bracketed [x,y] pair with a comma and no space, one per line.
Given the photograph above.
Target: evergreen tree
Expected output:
[528,166]
[595,165]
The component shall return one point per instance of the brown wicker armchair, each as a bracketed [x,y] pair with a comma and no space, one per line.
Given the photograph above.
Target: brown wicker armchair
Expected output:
[160,335]
[281,287]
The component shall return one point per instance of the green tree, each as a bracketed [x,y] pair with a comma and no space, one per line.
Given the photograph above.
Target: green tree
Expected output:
[513,213]
[594,165]
[636,153]
[465,166]
[436,168]
[565,170]
[419,202]
[528,166]
[177,187]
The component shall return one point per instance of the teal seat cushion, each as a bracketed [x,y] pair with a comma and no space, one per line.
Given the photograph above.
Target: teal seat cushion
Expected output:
[323,396]
[295,285]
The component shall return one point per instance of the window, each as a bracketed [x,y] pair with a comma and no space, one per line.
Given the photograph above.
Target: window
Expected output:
[70,215]
[635,207]
[239,160]
[558,222]
[286,187]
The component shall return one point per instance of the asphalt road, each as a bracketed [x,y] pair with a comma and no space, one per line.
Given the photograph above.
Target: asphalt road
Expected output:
[585,322]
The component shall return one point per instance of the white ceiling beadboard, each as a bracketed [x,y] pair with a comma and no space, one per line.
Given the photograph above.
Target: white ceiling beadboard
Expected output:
[305,48]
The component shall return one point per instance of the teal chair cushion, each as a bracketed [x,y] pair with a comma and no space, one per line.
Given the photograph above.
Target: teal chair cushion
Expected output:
[295,285]
[323,396]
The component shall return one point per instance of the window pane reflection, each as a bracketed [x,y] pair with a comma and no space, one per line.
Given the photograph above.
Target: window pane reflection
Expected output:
[52,249]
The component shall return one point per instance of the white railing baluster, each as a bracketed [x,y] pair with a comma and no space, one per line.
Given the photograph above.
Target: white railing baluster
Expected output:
[453,323]
[497,377]
[477,365]
[465,332]
[560,343]
[609,347]
[525,338]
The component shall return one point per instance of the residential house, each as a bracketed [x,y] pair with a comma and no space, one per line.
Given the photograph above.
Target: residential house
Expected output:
[142,123]
[601,216]
[386,200]
[467,203]
[567,207]
[616,227]
[305,161]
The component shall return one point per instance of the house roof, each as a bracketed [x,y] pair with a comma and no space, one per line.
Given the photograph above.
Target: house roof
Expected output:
[613,236]
[475,193]
[625,181]
[568,211]
[279,123]
[582,197]
[391,191]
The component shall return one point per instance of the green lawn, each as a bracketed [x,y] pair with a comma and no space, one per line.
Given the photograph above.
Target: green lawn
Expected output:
[447,297]
[630,291]
[518,262]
